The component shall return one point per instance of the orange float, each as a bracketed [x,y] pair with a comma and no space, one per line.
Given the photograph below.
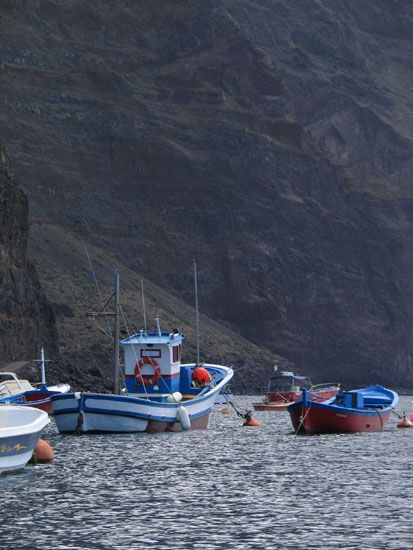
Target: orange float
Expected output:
[252,422]
[201,376]
[43,452]
[405,423]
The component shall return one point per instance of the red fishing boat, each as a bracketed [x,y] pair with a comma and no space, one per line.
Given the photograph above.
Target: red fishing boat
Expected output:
[362,410]
[284,388]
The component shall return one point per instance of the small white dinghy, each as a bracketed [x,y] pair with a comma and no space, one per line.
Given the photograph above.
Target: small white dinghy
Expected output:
[20,431]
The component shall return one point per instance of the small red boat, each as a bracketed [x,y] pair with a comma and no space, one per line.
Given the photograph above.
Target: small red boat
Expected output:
[362,410]
[284,388]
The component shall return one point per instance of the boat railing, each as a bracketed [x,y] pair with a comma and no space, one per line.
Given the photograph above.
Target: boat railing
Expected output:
[324,386]
[15,379]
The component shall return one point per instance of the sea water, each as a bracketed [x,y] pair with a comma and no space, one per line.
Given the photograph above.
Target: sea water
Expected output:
[229,487]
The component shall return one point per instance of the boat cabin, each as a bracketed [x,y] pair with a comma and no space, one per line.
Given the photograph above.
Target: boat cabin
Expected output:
[283,381]
[153,363]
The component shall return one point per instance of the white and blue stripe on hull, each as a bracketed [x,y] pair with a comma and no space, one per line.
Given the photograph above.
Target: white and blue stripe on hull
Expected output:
[15,452]
[20,431]
[105,413]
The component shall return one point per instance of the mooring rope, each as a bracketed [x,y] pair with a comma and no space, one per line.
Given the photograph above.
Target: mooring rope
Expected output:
[245,416]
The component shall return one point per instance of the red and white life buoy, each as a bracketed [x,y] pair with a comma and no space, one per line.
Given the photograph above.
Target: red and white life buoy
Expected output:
[147,379]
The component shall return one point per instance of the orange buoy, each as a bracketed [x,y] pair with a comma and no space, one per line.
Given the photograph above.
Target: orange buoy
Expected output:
[252,422]
[225,410]
[43,452]
[249,421]
[405,423]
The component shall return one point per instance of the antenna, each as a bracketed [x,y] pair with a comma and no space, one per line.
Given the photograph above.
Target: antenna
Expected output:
[197,313]
[117,334]
[158,326]
[143,305]
[42,369]
[42,362]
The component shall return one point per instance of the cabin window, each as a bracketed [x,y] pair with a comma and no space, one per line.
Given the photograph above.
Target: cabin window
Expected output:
[176,353]
[151,353]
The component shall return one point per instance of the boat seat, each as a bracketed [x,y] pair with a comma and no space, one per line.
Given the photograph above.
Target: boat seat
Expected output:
[11,387]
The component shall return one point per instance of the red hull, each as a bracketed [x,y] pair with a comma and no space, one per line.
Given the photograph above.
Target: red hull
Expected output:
[318,421]
[47,406]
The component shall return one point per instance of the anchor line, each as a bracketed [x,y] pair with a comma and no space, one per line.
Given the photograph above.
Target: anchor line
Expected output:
[381,419]
[245,416]
[302,420]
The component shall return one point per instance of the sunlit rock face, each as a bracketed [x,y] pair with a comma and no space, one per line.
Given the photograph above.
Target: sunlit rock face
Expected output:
[270,140]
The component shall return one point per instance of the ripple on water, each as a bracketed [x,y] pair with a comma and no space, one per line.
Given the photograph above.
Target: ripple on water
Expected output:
[228,487]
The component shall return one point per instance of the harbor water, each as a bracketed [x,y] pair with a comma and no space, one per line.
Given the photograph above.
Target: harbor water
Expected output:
[229,487]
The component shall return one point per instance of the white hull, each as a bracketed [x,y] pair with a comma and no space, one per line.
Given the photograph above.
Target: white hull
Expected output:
[103,413]
[20,431]
[14,463]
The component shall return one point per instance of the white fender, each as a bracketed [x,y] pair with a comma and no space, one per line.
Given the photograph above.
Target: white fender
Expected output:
[175,397]
[183,417]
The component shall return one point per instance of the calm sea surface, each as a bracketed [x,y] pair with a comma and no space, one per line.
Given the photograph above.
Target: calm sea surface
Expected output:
[227,487]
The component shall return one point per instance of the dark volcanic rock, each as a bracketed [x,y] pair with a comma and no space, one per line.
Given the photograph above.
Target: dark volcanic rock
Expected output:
[272,140]
[26,318]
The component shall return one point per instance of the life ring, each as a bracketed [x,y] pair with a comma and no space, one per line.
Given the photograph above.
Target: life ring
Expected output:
[149,380]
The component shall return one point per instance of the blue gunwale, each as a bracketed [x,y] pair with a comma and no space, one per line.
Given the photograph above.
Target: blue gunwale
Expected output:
[368,410]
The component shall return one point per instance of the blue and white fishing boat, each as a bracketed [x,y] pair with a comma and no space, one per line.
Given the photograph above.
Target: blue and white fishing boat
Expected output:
[20,431]
[160,393]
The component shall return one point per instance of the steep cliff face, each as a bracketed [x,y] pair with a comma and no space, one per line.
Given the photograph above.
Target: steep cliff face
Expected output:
[271,140]
[26,318]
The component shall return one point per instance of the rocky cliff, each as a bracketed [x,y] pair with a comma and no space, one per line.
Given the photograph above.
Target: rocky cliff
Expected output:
[271,140]
[26,318]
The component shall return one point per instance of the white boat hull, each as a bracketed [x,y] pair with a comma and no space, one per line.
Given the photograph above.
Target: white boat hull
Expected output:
[106,413]
[20,431]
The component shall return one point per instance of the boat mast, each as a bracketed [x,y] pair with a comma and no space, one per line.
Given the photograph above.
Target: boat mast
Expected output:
[117,334]
[197,313]
[42,367]
[143,305]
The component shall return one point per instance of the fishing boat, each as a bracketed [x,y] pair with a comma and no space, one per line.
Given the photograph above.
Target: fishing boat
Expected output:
[362,410]
[20,391]
[20,431]
[284,388]
[160,393]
